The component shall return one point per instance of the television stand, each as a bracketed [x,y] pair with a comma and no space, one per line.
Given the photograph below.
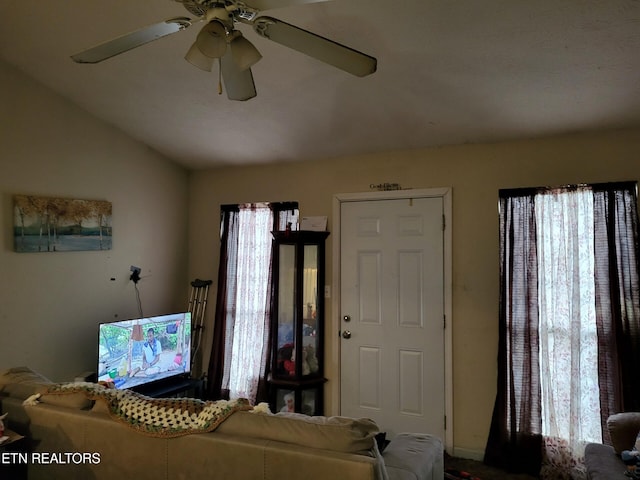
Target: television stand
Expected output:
[173,387]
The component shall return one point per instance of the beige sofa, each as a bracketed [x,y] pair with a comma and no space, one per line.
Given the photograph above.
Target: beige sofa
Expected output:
[72,437]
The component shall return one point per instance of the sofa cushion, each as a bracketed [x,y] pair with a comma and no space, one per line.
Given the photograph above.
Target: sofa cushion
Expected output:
[100,406]
[339,434]
[623,429]
[22,382]
[72,400]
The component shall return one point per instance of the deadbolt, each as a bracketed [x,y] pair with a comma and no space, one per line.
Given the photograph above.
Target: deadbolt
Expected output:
[346,318]
[346,334]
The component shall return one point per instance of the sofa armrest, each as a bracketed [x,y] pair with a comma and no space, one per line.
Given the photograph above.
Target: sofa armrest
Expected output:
[602,462]
[623,429]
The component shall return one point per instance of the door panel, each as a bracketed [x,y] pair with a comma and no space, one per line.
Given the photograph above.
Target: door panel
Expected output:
[370,280]
[370,395]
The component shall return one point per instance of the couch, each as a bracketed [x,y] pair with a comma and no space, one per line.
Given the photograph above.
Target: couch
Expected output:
[72,436]
[603,462]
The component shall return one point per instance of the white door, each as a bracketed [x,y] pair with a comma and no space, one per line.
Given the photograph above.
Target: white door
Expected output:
[392,356]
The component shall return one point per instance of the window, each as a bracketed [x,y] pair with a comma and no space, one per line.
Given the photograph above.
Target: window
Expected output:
[238,362]
[569,323]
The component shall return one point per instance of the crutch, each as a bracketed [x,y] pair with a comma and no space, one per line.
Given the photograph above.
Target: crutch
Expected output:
[197,306]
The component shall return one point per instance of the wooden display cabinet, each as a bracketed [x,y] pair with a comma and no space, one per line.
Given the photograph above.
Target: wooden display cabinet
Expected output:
[296,380]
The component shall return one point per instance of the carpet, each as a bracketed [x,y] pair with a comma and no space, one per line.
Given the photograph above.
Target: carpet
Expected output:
[474,469]
[453,474]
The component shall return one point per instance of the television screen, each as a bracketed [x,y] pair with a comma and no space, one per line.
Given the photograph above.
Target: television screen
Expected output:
[144,350]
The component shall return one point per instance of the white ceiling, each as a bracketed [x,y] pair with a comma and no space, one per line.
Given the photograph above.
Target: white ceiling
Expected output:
[449,72]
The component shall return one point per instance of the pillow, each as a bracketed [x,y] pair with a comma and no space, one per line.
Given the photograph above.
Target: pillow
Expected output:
[340,434]
[623,429]
[22,382]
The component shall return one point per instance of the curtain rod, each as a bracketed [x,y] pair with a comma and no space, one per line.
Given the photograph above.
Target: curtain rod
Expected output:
[234,207]
[604,186]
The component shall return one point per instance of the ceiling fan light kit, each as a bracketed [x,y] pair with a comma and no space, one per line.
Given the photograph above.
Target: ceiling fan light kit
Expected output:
[196,58]
[212,39]
[236,55]
[244,53]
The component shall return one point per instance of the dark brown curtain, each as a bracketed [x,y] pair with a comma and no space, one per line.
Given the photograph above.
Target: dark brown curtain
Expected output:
[515,441]
[285,214]
[617,298]
[226,284]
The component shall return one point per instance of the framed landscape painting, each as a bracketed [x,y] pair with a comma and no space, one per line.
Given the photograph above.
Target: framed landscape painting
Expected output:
[46,224]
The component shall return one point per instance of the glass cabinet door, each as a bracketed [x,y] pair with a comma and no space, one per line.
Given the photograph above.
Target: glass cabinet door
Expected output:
[310,311]
[286,333]
[299,400]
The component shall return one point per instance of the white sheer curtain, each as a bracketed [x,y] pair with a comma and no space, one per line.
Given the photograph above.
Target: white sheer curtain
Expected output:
[252,277]
[568,334]
[239,352]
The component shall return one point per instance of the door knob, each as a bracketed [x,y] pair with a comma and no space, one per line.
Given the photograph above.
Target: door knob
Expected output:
[346,334]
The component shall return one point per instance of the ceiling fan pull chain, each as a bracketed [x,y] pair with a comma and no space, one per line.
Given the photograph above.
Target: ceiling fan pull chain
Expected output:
[219,76]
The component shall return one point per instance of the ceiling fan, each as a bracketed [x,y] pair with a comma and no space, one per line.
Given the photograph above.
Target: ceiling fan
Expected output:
[219,40]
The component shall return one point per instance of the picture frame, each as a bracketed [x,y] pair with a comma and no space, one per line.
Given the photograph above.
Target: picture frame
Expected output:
[52,224]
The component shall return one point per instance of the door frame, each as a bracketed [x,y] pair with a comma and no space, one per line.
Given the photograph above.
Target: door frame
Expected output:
[334,365]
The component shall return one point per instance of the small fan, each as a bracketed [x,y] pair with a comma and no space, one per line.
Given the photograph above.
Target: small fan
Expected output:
[218,40]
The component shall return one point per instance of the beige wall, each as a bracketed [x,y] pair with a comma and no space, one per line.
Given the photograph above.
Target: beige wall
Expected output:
[475,173]
[51,303]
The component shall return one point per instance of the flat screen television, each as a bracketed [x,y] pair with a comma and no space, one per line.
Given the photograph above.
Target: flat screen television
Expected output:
[140,351]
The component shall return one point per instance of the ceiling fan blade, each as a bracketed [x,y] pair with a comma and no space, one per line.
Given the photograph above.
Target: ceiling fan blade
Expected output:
[271,4]
[321,48]
[239,83]
[132,40]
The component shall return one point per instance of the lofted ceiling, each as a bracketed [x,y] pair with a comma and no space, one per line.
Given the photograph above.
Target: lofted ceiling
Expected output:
[449,72]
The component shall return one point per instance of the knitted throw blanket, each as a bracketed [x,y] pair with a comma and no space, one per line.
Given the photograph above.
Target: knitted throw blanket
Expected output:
[157,417]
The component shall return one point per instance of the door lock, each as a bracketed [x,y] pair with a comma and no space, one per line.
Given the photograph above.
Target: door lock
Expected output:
[346,334]
[346,318]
